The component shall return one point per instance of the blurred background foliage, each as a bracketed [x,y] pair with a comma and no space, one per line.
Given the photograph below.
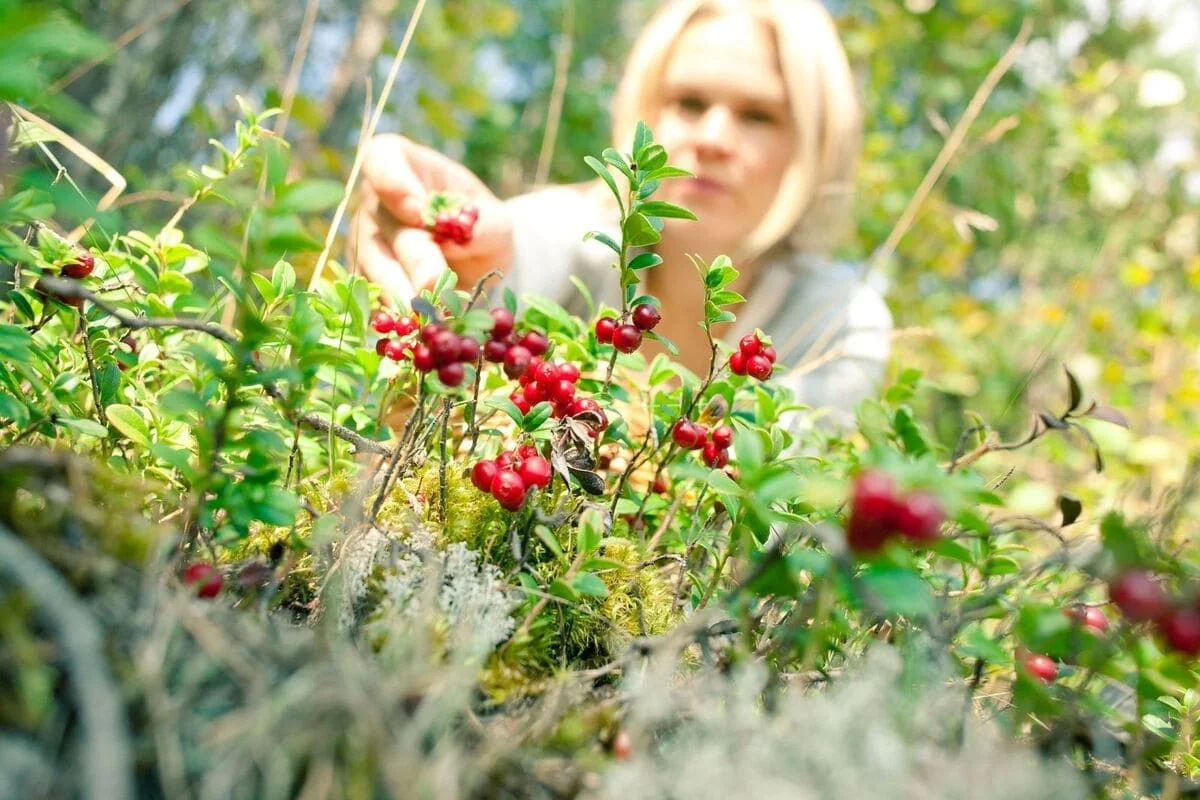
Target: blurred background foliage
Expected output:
[1064,230]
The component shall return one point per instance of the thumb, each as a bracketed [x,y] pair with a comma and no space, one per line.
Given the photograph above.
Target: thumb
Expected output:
[387,169]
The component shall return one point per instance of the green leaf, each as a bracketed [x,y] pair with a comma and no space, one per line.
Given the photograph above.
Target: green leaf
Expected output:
[638,231]
[661,208]
[642,137]
[898,591]
[283,278]
[606,176]
[652,157]
[86,427]
[130,423]
[590,584]
[561,588]
[645,261]
[536,416]
[15,342]
[604,239]
[309,196]
[617,160]
[507,406]
[591,527]
[668,172]
[265,287]
[547,537]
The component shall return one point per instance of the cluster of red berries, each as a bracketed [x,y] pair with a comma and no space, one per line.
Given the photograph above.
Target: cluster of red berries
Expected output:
[510,476]
[435,347]
[626,337]
[454,225]
[1141,598]
[204,578]
[515,352]
[878,510]
[80,268]
[754,357]
[714,445]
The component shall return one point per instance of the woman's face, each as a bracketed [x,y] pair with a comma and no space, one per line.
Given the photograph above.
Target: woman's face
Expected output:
[725,117]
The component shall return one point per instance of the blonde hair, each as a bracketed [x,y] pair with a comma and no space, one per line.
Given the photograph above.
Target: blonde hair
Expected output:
[815,194]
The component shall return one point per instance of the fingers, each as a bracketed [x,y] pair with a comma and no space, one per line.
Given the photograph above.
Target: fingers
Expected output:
[371,254]
[423,260]
[387,171]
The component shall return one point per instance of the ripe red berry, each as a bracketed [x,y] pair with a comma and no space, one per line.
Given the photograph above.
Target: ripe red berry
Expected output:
[519,400]
[749,345]
[582,404]
[1041,667]
[605,327]
[535,342]
[535,393]
[382,322]
[722,436]
[919,516]
[502,322]
[509,489]
[81,267]
[544,373]
[568,372]
[451,374]
[204,577]
[758,367]
[1181,630]
[1139,596]
[714,456]
[660,485]
[526,450]
[646,316]
[516,361]
[1090,617]
[737,362]
[622,746]
[535,471]
[769,352]
[562,392]
[395,349]
[627,338]
[381,347]
[430,330]
[422,358]
[444,347]
[494,350]
[482,475]
[468,349]
[685,434]
[403,326]
[506,459]
[873,507]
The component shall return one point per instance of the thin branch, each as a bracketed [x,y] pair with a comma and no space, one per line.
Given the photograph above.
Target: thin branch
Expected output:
[558,91]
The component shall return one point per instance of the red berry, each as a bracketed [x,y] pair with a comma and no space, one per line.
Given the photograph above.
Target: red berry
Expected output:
[582,404]
[381,346]
[1041,667]
[502,322]
[130,342]
[429,331]
[758,367]
[737,362]
[535,342]
[404,326]
[519,400]
[714,456]
[535,393]
[526,450]
[627,338]
[422,358]
[568,372]
[769,352]
[622,746]
[873,509]
[1089,617]
[516,361]
[660,485]
[919,516]
[605,327]
[494,350]
[482,475]
[468,349]
[1139,596]
[506,459]
[204,577]
[544,373]
[646,316]
[451,374]
[509,489]
[686,434]
[535,471]
[722,436]
[395,349]
[1181,629]
[562,392]
[444,347]
[382,322]
[81,267]
[749,345]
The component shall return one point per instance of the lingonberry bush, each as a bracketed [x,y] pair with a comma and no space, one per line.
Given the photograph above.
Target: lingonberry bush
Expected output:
[485,488]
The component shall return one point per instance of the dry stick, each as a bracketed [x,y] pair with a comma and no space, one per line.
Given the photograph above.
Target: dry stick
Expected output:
[358,155]
[562,68]
[107,757]
[292,82]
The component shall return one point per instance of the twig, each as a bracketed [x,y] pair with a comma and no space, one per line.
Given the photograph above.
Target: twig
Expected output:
[558,91]
[107,756]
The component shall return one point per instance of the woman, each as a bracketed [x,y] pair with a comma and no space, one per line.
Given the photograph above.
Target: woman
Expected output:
[756,99]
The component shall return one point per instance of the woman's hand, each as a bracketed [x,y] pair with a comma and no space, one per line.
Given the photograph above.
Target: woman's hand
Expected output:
[388,239]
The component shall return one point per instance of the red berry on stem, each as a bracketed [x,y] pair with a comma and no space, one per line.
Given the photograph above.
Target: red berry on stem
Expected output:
[749,345]
[660,485]
[381,346]
[627,338]
[516,361]
[582,404]
[81,267]
[1181,629]
[562,392]
[873,507]
[536,393]
[422,358]
[535,342]
[451,374]
[645,316]
[526,450]
[714,456]
[506,459]
[605,327]
[468,349]
[1139,596]
[405,325]
[382,322]
[502,322]
[204,577]
[758,367]
[509,489]
[482,475]
[737,362]
[429,331]
[769,353]
[544,373]
[444,347]
[1089,617]
[395,349]
[535,471]
[919,516]
[494,350]
[1041,667]
[519,400]
[722,436]
[568,372]
[686,434]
